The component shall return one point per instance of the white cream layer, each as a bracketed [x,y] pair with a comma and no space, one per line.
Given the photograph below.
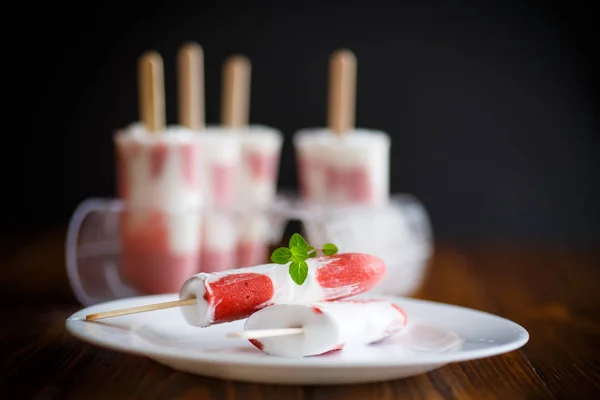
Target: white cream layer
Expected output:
[261,139]
[254,227]
[220,232]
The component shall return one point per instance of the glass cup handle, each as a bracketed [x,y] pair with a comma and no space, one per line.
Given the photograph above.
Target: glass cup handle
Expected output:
[81,213]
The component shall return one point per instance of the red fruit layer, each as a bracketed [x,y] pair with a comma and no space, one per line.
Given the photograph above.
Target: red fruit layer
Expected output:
[357,271]
[237,296]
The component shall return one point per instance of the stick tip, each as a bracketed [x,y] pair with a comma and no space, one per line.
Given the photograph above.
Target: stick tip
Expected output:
[190,48]
[238,61]
[151,57]
[343,56]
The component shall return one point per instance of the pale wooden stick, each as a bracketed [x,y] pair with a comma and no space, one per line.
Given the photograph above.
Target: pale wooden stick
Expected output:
[140,309]
[342,91]
[262,333]
[191,86]
[235,97]
[151,91]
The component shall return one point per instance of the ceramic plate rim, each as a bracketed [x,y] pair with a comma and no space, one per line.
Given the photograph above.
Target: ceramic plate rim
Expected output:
[152,351]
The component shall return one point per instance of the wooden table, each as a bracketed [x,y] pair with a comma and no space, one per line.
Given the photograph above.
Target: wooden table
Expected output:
[553,292]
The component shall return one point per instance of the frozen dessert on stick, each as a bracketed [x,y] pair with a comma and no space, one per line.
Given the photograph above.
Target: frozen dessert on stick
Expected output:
[220,156]
[257,172]
[342,164]
[222,152]
[158,180]
[301,330]
[236,294]
[260,145]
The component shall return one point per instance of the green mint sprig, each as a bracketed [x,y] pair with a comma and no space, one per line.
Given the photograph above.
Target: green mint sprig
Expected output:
[298,252]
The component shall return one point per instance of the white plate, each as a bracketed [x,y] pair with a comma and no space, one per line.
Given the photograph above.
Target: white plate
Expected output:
[435,335]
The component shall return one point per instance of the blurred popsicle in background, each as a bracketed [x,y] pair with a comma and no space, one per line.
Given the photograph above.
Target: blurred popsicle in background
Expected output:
[158,181]
[219,159]
[342,164]
[257,173]
[260,145]
[239,171]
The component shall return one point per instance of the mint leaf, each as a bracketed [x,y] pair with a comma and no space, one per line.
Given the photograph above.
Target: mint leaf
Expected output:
[299,254]
[298,241]
[298,272]
[281,255]
[329,249]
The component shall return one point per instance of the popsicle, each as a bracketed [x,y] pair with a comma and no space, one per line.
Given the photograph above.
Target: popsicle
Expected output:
[222,158]
[342,164]
[157,170]
[221,152]
[324,327]
[219,157]
[236,294]
[259,162]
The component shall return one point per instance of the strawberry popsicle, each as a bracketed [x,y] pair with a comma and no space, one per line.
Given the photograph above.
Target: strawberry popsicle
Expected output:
[236,294]
[325,326]
[158,182]
[219,171]
[257,172]
[341,164]
[220,157]
[348,169]
[220,153]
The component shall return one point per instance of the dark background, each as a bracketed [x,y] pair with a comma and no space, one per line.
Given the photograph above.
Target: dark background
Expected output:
[492,106]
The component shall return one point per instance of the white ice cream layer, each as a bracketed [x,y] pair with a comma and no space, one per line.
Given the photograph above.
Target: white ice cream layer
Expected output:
[320,148]
[220,145]
[220,232]
[326,326]
[169,191]
[254,192]
[254,227]
[262,139]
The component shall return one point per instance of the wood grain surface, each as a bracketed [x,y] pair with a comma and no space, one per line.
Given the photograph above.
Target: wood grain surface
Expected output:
[553,292]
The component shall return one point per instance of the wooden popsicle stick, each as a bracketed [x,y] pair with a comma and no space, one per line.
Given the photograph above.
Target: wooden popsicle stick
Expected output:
[190,65]
[151,87]
[235,96]
[140,309]
[262,333]
[342,91]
